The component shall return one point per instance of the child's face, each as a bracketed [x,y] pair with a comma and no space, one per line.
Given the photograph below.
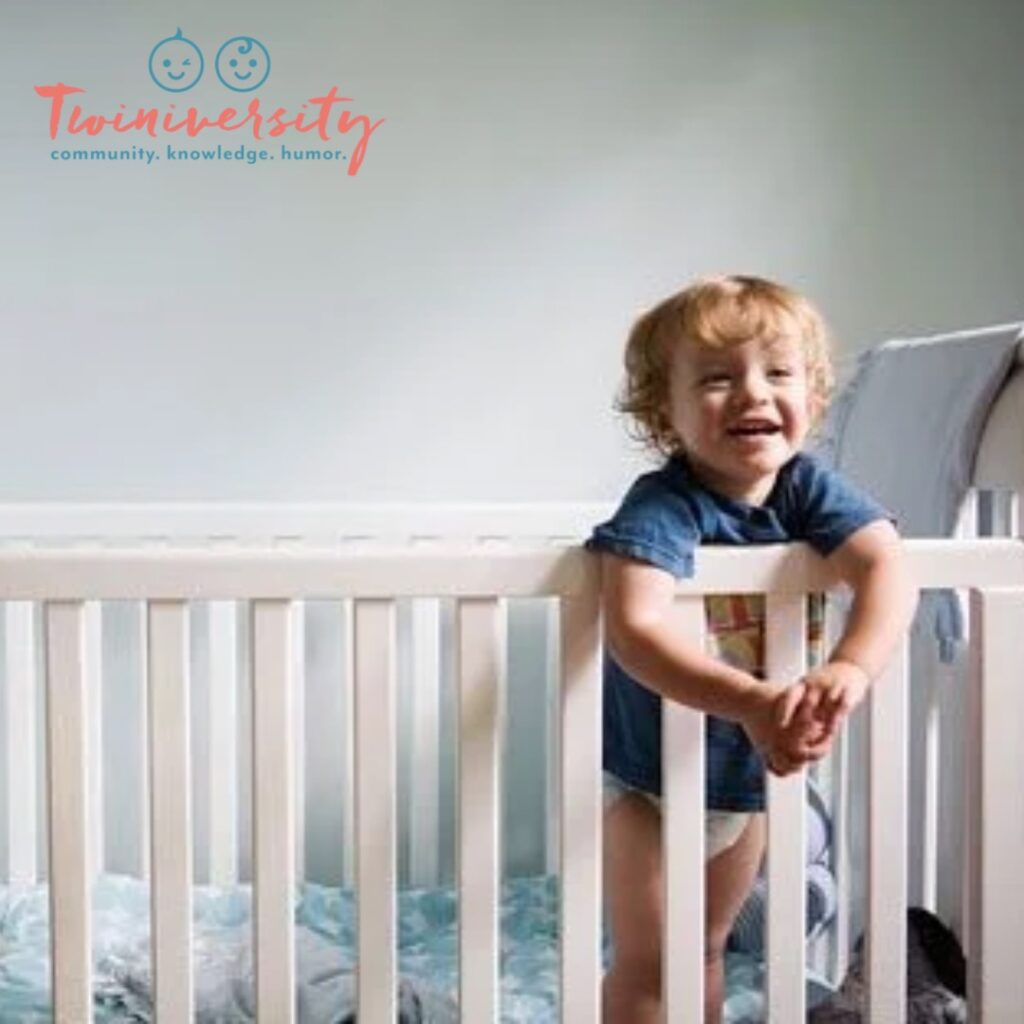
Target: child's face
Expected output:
[741,412]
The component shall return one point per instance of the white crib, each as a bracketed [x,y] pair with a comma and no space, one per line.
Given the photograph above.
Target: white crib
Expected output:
[384,564]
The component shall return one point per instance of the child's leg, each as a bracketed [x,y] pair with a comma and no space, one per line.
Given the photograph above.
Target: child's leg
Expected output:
[633,901]
[631,993]
[728,879]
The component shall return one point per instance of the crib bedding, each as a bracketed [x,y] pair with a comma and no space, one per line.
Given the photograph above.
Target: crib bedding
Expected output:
[325,941]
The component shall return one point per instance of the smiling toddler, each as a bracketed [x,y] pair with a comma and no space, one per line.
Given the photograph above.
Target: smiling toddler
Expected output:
[724,379]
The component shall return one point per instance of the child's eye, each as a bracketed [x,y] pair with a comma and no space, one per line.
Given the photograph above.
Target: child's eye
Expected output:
[780,372]
[714,380]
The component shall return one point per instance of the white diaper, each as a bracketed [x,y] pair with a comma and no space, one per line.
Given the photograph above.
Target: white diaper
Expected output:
[721,828]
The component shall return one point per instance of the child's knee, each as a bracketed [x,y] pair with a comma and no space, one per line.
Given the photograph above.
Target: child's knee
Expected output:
[714,949]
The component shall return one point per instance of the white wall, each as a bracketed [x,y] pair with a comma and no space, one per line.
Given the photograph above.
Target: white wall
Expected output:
[447,324]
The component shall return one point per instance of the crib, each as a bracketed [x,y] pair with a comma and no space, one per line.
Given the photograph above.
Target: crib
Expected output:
[414,592]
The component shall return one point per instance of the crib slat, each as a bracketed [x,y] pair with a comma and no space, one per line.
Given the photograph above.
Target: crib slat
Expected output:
[841,816]
[580,809]
[888,790]
[995,981]
[481,677]
[935,685]
[67,763]
[20,742]
[133,781]
[273,812]
[223,742]
[298,687]
[785,661]
[554,675]
[348,786]
[683,841]
[376,821]
[424,830]
[93,619]
[170,791]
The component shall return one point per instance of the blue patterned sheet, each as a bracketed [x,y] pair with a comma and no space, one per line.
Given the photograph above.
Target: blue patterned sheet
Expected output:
[325,939]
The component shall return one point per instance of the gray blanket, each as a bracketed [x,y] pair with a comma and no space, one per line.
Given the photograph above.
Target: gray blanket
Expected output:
[907,428]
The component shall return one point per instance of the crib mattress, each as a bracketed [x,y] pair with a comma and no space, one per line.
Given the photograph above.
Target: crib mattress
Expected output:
[325,942]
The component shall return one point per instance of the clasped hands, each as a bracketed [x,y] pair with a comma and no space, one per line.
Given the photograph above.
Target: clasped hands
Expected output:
[795,724]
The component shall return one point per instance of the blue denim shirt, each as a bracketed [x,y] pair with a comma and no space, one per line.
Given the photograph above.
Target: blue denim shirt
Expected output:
[662,519]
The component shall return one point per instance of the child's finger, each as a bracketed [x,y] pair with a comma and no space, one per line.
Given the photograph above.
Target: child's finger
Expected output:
[811,701]
[792,698]
[782,765]
[836,697]
[819,747]
[835,713]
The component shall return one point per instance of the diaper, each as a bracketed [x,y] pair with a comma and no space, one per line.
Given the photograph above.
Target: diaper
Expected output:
[721,828]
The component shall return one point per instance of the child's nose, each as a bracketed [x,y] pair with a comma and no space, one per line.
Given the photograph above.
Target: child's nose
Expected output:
[754,388]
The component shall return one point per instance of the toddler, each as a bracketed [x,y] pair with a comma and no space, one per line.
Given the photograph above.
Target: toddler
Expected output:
[725,379]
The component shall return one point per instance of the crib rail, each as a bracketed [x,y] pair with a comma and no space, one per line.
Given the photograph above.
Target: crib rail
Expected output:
[479,578]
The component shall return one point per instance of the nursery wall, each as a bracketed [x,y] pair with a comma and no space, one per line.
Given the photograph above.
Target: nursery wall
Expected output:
[446,324]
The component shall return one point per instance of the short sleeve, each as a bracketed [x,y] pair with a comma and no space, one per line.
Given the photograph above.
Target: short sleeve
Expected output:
[830,508]
[654,524]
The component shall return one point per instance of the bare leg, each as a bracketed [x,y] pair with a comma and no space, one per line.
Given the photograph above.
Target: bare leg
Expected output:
[728,880]
[633,898]
[633,886]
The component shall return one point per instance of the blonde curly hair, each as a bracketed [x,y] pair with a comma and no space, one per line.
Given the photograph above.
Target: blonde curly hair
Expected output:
[718,312]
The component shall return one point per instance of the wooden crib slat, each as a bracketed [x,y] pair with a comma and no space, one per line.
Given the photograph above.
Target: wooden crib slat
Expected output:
[995,910]
[298,687]
[273,812]
[67,765]
[222,760]
[934,687]
[20,742]
[424,805]
[580,809]
[840,790]
[348,785]
[786,661]
[888,790]
[131,783]
[554,676]
[170,792]
[376,820]
[683,841]
[481,678]
[93,620]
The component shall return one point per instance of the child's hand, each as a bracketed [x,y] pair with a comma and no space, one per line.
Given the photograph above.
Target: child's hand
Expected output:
[786,741]
[830,693]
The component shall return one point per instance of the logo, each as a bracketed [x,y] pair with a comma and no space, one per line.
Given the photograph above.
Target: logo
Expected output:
[176,63]
[242,64]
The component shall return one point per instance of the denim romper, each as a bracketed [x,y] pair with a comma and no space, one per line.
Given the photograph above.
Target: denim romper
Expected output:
[662,519]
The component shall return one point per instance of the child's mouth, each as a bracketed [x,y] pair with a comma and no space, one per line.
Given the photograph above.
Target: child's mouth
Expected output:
[754,430]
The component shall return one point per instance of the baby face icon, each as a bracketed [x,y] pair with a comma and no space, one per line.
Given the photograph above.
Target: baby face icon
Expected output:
[242,63]
[176,63]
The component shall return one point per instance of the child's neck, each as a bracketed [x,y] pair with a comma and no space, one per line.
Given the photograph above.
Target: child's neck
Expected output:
[754,492]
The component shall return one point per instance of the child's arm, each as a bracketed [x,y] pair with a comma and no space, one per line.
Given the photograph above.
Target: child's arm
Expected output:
[871,562]
[643,635]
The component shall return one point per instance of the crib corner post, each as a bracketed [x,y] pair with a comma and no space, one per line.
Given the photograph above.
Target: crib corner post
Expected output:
[995,767]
